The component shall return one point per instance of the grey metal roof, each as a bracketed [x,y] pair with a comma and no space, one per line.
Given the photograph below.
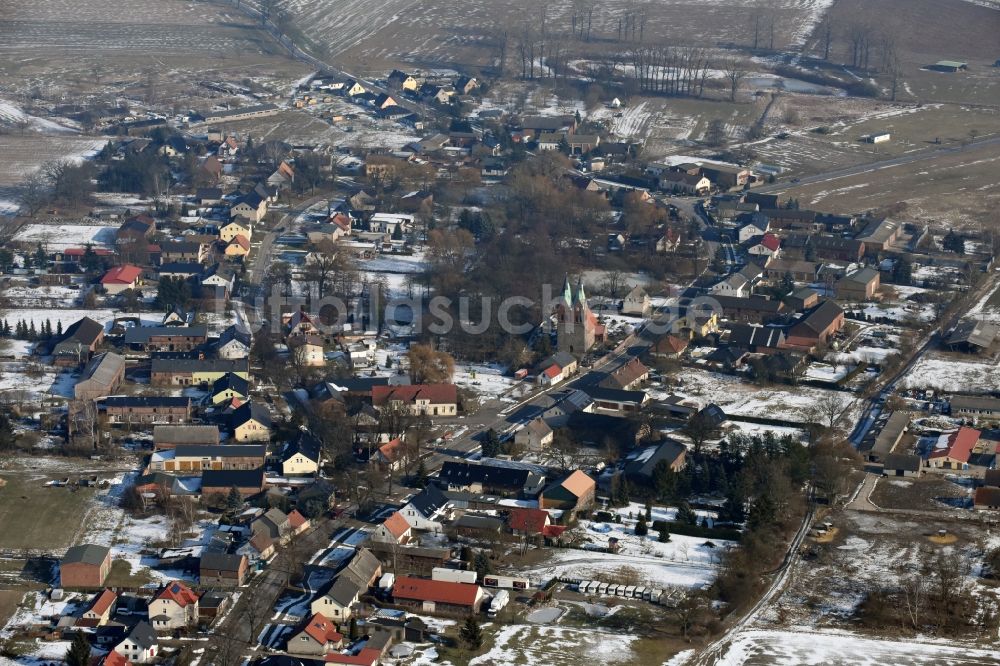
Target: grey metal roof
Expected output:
[86,553]
[973,332]
[186,434]
[103,369]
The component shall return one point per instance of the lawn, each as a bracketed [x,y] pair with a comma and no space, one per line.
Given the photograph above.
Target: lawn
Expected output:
[40,518]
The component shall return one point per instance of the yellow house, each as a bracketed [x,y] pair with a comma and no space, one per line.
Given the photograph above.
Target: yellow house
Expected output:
[228,387]
[239,246]
[301,456]
[355,89]
[251,422]
[251,206]
[232,229]
[410,83]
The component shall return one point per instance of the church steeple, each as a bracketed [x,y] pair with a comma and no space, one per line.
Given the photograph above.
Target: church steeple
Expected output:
[581,297]
[567,292]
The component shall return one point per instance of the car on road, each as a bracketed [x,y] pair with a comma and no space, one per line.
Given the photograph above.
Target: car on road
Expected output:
[796,180]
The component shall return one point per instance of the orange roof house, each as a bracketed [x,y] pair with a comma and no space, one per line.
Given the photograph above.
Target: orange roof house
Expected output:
[437,595]
[957,450]
[575,492]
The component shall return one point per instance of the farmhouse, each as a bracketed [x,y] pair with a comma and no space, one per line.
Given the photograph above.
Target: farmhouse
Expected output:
[301,455]
[196,458]
[636,302]
[99,612]
[173,607]
[889,436]
[815,326]
[534,436]
[247,482]
[165,338]
[222,569]
[317,636]
[490,479]
[977,408]
[194,371]
[251,422]
[121,278]
[641,464]
[901,464]
[229,387]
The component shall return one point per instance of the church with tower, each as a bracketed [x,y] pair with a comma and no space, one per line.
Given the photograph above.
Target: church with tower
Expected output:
[577,328]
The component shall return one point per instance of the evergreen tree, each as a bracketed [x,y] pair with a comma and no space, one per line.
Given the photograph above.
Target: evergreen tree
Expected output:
[41,259]
[762,512]
[32,332]
[664,536]
[422,476]
[733,510]
[482,565]
[491,444]
[686,515]
[353,631]
[641,529]
[234,500]
[59,329]
[472,634]
[664,480]
[649,509]
[78,653]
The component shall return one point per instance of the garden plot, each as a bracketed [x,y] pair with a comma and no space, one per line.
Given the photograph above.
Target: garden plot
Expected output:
[486,380]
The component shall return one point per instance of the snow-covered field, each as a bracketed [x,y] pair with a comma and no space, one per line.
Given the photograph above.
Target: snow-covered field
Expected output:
[953,373]
[556,646]
[803,646]
[61,236]
[485,380]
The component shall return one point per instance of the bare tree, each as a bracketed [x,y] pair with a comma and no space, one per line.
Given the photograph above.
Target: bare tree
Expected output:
[735,71]
[914,598]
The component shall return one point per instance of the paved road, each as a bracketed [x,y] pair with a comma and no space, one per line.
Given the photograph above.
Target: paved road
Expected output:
[909,158]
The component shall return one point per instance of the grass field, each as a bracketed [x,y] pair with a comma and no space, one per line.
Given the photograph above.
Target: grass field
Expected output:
[958,188]
[36,517]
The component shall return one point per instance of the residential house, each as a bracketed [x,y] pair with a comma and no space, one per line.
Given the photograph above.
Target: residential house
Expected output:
[532,523]
[636,302]
[490,479]
[339,599]
[879,235]
[307,350]
[815,326]
[102,375]
[792,218]
[79,342]
[224,570]
[229,387]
[174,607]
[668,346]
[536,435]
[437,596]
[182,251]
[776,269]
[631,374]
[425,510]
[618,402]
[234,343]
[755,225]
[860,285]
[121,278]
[420,399]
[136,409]
[302,455]
[954,451]
[733,285]
[316,636]
[100,610]
[140,645]
[250,206]
[390,456]
[574,493]
[697,184]
[85,565]
[802,298]
[238,247]
[726,177]
[767,245]
[393,530]
[640,464]
[251,422]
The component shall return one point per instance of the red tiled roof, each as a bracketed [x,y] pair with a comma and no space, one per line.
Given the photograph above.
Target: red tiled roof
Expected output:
[366,657]
[396,525]
[552,371]
[241,240]
[531,521]
[960,445]
[437,394]
[341,221]
[126,274]
[438,591]
[179,593]
[391,451]
[322,630]
[770,241]
[296,519]
[553,530]
[115,659]
[102,602]
[80,251]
